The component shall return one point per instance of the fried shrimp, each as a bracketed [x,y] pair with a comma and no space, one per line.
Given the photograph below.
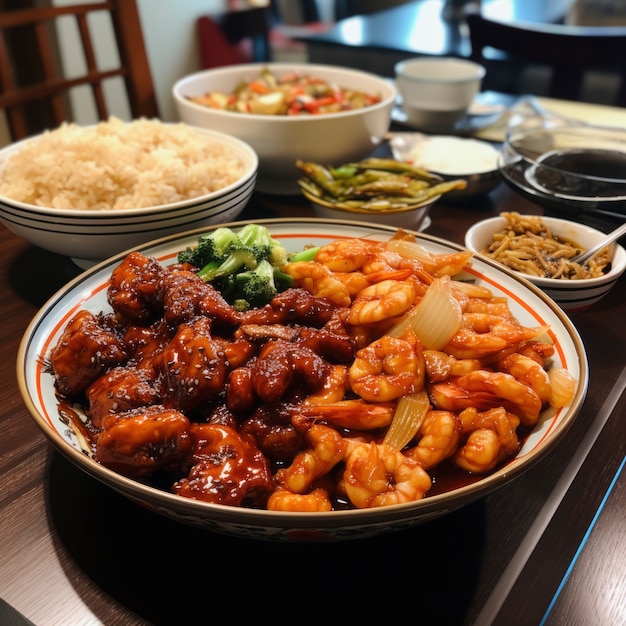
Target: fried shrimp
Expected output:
[492,438]
[440,365]
[375,475]
[284,500]
[484,334]
[438,438]
[381,301]
[334,388]
[386,369]
[483,390]
[345,255]
[326,448]
[353,414]
[319,280]
[527,370]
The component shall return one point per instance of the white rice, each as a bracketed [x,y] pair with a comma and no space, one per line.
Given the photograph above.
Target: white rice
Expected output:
[118,165]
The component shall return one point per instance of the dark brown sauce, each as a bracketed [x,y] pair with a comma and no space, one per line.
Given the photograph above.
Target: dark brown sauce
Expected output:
[583,173]
[607,164]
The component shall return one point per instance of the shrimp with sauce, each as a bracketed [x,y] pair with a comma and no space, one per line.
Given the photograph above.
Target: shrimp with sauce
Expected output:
[388,368]
[438,438]
[345,255]
[381,301]
[492,438]
[483,334]
[375,475]
[317,501]
[440,365]
[326,448]
[484,389]
[334,387]
[354,414]
[527,370]
[319,280]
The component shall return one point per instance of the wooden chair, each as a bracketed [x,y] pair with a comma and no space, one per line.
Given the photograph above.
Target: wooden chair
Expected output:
[570,52]
[234,37]
[34,88]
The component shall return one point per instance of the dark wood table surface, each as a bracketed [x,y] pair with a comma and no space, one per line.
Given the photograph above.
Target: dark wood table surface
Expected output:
[548,548]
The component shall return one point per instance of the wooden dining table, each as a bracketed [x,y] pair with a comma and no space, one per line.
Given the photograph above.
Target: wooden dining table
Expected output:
[547,548]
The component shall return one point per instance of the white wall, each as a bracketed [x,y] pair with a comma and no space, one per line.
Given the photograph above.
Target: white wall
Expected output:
[169,28]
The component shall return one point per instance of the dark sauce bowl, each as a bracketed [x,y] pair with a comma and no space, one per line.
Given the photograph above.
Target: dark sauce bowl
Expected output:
[581,173]
[574,171]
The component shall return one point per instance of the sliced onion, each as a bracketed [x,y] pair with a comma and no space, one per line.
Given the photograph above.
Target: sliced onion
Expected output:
[563,386]
[410,250]
[436,319]
[407,420]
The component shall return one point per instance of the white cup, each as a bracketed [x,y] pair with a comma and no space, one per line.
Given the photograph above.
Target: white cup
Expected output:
[437,91]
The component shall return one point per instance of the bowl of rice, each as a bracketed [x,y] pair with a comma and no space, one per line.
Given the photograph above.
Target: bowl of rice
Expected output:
[94,191]
[539,249]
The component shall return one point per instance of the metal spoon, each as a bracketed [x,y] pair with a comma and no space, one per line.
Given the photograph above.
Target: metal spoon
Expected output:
[603,243]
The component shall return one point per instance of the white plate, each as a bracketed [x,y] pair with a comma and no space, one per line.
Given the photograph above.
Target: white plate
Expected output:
[478,117]
[88,291]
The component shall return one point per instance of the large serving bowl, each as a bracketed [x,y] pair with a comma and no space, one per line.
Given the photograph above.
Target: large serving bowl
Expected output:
[90,236]
[280,140]
[88,291]
[571,295]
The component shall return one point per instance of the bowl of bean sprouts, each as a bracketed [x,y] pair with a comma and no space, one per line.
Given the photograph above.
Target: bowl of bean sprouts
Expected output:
[542,248]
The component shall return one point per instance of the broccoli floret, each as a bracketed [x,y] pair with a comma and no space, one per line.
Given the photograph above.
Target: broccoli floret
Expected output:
[239,258]
[211,248]
[243,266]
[257,235]
[282,281]
[255,287]
[308,254]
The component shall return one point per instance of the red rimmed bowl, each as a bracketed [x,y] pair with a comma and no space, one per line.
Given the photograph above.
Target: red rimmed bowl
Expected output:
[88,291]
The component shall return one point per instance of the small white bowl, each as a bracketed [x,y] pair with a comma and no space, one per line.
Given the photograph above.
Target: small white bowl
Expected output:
[437,92]
[90,236]
[413,217]
[280,140]
[570,295]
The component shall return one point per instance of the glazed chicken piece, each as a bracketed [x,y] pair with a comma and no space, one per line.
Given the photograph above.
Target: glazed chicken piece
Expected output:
[194,366]
[145,440]
[228,468]
[145,344]
[185,296]
[120,390]
[84,352]
[133,290]
[273,431]
[293,306]
[281,365]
